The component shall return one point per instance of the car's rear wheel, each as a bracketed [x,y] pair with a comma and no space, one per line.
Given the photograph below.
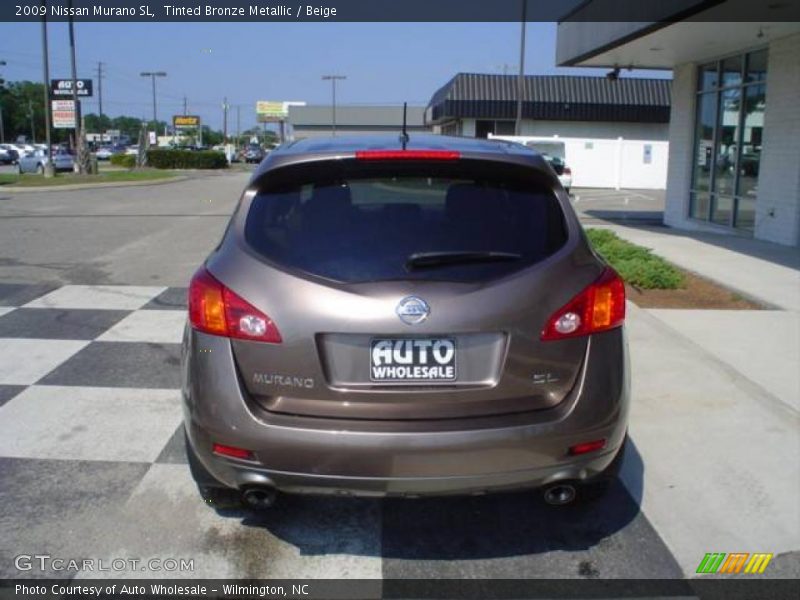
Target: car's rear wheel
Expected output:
[212,491]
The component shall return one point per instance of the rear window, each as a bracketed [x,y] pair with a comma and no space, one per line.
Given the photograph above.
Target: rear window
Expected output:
[405,226]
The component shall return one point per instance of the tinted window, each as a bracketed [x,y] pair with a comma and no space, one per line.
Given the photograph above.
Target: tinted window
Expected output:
[360,229]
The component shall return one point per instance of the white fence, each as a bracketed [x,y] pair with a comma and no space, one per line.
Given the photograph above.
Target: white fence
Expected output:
[611,163]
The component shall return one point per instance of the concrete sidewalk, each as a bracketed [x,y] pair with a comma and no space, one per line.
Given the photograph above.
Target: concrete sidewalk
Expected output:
[760,270]
[716,395]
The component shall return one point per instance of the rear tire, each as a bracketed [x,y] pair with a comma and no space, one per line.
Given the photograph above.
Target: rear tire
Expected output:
[212,491]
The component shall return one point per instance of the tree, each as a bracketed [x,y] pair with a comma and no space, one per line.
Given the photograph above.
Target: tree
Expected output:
[96,123]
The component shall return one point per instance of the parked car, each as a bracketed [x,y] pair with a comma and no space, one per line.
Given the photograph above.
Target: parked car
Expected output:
[554,152]
[34,162]
[106,152]
[8,154]
[404,319]
[253,154]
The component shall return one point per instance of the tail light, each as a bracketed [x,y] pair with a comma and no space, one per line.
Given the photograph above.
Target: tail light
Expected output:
[599,307]
[215,309]
[407,155]
[567,171]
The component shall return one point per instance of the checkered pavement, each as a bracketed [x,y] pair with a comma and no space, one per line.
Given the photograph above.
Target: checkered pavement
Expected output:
[92,465]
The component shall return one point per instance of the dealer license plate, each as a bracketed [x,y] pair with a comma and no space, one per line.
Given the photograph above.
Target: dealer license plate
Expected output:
[418,360]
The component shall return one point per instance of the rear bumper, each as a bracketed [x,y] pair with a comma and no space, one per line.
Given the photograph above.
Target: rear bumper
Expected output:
[333,457]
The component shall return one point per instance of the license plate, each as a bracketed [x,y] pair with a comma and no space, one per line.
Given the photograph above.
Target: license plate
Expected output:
[428,360]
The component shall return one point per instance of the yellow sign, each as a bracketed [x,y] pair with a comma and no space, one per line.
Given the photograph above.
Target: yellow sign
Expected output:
[186,121]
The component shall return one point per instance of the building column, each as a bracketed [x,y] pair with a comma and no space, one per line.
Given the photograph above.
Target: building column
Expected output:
[681,151]
[778,204]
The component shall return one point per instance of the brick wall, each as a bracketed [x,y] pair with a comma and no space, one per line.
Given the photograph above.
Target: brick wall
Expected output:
[778,205]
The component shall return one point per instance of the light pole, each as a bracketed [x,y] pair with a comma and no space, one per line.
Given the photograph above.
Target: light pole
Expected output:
[49,171]
[521,76]
[2,128]
[333,79]
[152,75]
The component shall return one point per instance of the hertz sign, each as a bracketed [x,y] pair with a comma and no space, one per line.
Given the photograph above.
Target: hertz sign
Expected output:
[185,121]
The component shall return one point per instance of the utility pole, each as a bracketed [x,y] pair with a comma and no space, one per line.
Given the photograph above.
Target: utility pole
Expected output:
[333,79]
[185,105]
[49,170]
[238,123]
[100,76]
[521,77]
[225,120]
[2,127]
[152,75]
[83,157]
[33,126]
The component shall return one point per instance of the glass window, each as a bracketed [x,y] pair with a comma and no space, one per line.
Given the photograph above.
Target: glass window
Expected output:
[729,123]
[700,206]
[704,152]
[756,66]
[752,128]
[722,210]
[401,216]
[727,138]
[732,71]
[708,78]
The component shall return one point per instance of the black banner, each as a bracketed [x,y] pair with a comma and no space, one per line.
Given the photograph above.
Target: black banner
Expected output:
[707,588]
[399,10]
[62,88]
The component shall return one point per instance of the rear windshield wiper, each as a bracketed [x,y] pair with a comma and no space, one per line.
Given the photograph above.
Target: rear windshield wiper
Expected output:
[427,260]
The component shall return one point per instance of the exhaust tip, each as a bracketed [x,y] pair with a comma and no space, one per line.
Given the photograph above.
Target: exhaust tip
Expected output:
[560,494]
[259,498]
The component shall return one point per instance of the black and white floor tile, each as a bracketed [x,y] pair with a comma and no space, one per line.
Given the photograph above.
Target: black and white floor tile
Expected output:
[92,464]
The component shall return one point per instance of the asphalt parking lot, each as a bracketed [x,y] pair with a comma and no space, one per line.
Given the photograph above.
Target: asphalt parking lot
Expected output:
[92,300]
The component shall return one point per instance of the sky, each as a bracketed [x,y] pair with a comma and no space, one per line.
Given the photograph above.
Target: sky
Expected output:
[245,62]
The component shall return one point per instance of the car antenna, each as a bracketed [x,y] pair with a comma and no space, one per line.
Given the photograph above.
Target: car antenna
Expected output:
[404,139]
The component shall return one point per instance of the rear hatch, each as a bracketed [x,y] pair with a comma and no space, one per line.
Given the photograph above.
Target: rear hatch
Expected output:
[406,290]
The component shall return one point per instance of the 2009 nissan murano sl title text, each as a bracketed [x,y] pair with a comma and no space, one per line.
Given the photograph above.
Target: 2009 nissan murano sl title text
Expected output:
[452,330]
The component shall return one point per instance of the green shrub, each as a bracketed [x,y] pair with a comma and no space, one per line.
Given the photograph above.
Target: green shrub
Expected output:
[637,265]
[123,160]
[186,159]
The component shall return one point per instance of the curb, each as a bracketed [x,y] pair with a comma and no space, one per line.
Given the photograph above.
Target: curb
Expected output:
[92,186]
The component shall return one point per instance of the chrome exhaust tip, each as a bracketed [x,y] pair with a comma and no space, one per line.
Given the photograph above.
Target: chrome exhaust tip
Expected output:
[560,494]
[259,498]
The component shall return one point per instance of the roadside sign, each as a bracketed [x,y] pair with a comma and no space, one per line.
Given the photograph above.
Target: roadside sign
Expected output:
[269,112]
[185,121]
[63,87]
[152,138]
[63,114]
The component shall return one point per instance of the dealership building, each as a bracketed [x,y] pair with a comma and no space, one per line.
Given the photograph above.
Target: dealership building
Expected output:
[317,120]
[734,126]
[614,133]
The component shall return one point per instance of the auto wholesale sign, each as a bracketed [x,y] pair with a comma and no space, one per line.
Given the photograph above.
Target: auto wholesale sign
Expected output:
[63,114]
[185,121]
[63,87]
